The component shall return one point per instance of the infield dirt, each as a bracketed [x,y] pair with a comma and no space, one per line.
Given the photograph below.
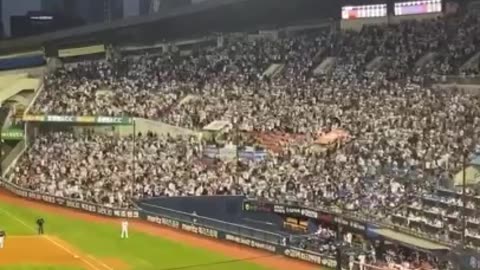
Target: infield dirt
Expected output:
[48,251]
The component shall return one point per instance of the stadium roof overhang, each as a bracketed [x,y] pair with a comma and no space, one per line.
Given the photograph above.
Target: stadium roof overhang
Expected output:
[200,19]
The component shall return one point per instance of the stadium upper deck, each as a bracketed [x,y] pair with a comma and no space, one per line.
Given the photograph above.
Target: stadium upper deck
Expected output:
[196,20]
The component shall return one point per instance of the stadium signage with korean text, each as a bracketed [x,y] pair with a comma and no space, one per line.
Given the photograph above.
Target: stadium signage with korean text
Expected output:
[312,258]
[247,206]
[281,209]
[349,223]
[309,213]
[86,119]
[364,11]
[90,207]
[417,7]
[250,242]
[78,119]
[12,134]
[293,210]
[324,216]
[200,230]
[164,221]
[110,120]
[60,118]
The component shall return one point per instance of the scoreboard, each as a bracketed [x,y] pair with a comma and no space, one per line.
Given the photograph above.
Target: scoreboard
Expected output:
[364,11]
[418,7]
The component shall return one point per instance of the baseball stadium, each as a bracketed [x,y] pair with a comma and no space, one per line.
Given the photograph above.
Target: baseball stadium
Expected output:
[239,135]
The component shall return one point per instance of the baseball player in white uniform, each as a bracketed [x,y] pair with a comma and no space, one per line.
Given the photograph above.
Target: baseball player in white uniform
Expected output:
[124,229]
[351,262]
[348,238]
[373,254]
[361,259]
[2,238]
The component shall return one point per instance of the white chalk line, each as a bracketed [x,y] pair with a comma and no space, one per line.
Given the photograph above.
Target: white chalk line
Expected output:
[99,262]
[53,241]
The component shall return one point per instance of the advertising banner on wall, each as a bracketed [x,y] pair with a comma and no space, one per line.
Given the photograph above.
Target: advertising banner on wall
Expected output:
[79,119]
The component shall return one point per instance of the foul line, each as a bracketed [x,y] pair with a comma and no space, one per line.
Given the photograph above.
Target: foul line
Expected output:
[99,262]
[52,241]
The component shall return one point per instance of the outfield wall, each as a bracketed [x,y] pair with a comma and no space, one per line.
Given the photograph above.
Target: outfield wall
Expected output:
[207,227]
[224,208]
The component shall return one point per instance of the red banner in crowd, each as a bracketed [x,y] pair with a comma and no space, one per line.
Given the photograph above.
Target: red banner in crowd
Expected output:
[335,135]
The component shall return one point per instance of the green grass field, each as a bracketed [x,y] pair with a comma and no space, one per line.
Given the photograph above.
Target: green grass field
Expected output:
[140,251]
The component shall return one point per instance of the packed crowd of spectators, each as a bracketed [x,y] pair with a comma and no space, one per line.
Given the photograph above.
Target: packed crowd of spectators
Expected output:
[441,214]
[153,87]
[461,43]
[406,138]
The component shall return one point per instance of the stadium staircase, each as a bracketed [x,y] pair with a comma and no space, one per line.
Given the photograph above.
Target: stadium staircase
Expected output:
[187,99]
[167,110]
[19,112]
[4,113]
[375,63]
[325,66]
[318,58]
[471,62]
[273,70]
[426,59]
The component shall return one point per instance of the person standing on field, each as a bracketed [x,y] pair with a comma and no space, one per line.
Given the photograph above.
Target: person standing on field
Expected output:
[124,229]
[2,238]
[40,223]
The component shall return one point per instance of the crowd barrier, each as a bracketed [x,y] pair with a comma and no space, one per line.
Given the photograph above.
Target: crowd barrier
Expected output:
[212,228]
